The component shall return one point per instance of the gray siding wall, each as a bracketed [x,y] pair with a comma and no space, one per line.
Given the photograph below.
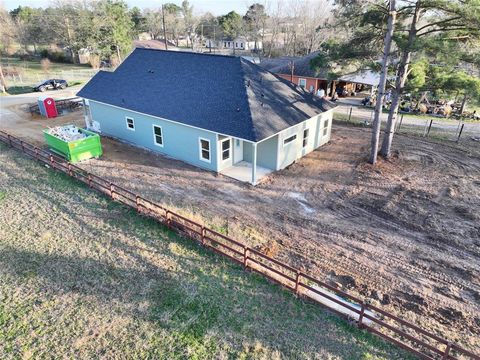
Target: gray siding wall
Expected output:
[179,141]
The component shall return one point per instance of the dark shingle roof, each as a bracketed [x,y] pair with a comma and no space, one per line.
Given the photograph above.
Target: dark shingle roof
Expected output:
[301,66]
[223,94]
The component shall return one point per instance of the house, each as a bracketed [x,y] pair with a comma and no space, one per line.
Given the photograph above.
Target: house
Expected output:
[221,113]
[299,71]
[240,43]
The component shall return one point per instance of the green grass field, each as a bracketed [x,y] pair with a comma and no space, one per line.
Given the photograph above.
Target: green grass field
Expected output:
[84,277]
[28,73]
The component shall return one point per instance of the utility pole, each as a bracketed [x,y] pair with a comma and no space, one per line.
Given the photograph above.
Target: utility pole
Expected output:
[164,29]
[214,40]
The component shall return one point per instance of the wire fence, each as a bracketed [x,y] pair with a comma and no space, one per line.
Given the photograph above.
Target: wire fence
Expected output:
[26,78]
[424,126]
[404,334]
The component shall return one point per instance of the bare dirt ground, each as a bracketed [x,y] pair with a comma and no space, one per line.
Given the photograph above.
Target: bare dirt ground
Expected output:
[404,234]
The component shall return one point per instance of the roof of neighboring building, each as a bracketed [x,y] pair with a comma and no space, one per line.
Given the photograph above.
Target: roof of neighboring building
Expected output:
[153,44]
[301,66]
[366,77]
[224,94]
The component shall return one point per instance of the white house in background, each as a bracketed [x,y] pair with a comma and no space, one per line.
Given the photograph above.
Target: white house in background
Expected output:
[240,43]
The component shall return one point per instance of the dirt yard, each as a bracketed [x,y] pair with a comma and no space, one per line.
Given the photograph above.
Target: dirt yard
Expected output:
[404,234]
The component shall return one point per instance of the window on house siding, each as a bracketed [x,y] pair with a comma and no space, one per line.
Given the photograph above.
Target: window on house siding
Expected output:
[205,150]
[302,82]
[157,135]
[226,149]
[325,127]
[130,124]
[305,138]
[289,140]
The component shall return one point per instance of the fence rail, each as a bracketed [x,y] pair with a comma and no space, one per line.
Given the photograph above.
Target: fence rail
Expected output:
[412,124]
[400,332]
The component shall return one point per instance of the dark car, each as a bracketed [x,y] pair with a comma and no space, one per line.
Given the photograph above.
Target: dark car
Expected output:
[51,84]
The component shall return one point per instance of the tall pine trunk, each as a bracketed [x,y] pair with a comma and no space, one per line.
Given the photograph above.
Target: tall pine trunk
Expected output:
[400,83]
[383,81]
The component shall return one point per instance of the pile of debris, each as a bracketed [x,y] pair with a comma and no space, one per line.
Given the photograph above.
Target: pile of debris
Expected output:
[67,133]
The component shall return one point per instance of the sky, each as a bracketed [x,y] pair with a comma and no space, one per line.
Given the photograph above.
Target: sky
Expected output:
[217,7]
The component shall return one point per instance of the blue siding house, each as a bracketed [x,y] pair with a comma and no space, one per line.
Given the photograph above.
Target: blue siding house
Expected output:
[220,113]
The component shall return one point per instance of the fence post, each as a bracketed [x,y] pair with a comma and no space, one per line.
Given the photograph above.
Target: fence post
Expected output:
[297,282]
[425,131]
[89,180]
[360,317]
[111,190]
[52,162]
[429,127]
[203,235]
[137,203]
[9,139]
[245,258]
[446,353]
[69,169]
[350,114]
[167,217]
[400,123]
[23,146]
[36,153]
[460,133]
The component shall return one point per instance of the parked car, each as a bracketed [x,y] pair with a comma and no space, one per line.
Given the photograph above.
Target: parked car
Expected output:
[50,84]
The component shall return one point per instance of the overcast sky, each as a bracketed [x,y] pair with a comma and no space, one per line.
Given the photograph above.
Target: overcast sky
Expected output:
[217,7]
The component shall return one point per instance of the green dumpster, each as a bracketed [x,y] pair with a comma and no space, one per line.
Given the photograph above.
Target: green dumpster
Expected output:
[73,143]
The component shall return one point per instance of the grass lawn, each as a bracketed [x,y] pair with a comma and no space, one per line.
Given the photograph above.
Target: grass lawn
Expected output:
[31,72]
[84,277]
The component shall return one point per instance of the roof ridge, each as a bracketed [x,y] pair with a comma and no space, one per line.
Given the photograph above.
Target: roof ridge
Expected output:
[246,85]
[188,52]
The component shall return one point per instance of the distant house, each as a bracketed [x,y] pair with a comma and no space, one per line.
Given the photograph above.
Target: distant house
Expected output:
[84,55]
[299,71]
[220,113]
[240,43]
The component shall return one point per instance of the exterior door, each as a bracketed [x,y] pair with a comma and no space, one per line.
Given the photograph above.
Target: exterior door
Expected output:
[237,150]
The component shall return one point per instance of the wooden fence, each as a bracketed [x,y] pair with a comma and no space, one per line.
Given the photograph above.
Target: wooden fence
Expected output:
[404,334]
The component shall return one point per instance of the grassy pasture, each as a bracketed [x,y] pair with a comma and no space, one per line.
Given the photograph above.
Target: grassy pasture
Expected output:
[84,277]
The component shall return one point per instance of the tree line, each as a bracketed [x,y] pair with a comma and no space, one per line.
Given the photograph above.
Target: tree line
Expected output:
[107,27]
[423,46]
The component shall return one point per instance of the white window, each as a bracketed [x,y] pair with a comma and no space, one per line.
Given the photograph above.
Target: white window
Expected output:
[289,140]
[305,138]
[226,149]
[302,82]
[204,149]
[325,127]
[157,135]
[130,123]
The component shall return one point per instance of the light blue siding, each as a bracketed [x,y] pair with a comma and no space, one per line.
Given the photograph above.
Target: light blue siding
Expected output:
[319,131]
[179,141]
[267,153]
[247,151]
